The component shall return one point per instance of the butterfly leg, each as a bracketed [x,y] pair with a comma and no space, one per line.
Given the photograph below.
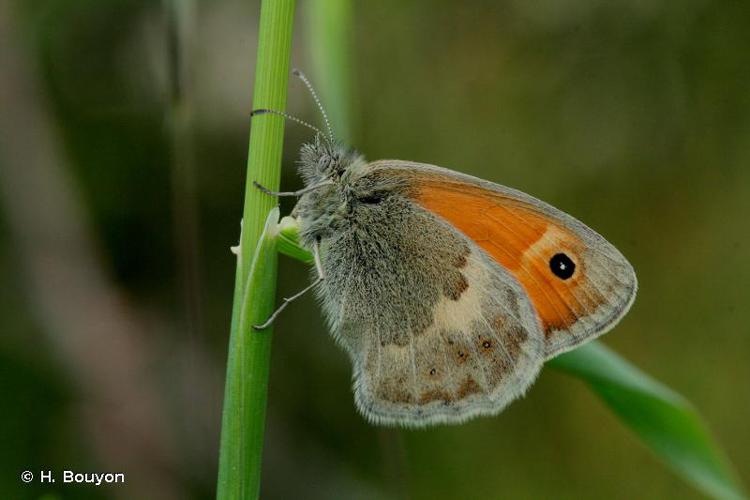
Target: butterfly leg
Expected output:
[299,192]
[287,300]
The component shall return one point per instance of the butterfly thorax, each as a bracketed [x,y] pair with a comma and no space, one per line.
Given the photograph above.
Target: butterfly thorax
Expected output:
[348,192]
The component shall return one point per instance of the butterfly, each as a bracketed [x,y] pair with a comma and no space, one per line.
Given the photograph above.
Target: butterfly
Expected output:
[448,292]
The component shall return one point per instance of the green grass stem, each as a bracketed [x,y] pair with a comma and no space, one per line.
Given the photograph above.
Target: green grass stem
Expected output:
[246,389]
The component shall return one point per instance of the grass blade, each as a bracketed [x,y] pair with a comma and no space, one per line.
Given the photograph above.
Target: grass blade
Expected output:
[665,421]
[288,241]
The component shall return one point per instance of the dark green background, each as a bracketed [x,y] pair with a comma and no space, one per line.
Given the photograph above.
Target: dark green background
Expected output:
[633,116]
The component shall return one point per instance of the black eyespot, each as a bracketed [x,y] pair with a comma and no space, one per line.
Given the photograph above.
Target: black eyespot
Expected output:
[372,199]
[562,266]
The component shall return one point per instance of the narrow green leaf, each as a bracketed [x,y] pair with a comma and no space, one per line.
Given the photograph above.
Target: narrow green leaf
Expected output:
[665,421]
[288,241]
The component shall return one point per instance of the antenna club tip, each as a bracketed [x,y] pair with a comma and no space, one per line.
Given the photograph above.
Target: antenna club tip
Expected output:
[296,72]
[260,111]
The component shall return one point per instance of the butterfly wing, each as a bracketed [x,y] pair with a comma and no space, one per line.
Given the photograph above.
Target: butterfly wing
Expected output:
[437,331]
[579,284]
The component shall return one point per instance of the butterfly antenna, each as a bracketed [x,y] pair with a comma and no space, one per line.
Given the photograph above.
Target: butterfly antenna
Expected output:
[256,112]
[309,86]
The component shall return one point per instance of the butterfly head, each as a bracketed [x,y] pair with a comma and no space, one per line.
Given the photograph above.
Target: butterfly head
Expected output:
[339,190]
[326,160]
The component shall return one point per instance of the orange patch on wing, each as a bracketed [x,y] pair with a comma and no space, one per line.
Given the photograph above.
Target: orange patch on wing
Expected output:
[520,239]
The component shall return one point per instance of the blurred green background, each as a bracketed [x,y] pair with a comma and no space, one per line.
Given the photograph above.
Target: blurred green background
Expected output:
[123,135]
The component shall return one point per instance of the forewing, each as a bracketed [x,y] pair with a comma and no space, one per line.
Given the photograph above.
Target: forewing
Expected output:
[523,235]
